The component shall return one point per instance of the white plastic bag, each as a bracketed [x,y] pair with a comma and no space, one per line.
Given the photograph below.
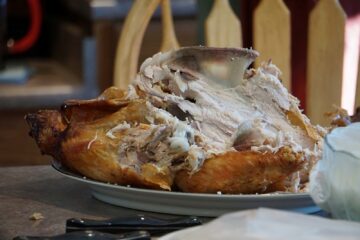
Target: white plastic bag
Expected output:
[335,180]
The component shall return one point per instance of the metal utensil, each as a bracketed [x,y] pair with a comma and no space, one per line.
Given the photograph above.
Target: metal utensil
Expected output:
[91,235]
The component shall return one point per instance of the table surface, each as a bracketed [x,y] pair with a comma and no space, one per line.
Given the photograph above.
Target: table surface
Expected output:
[40,189]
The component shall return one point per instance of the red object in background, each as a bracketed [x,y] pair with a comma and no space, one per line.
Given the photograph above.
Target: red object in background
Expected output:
[33,32]
[300,13]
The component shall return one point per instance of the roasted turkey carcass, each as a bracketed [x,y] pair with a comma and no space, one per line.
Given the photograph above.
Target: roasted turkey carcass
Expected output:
[196,120]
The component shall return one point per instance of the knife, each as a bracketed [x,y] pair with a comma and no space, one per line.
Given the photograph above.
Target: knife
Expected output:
[92,235]
[154,225]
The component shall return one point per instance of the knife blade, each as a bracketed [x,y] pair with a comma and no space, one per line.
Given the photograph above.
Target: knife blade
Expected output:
[91,235]
[151,224]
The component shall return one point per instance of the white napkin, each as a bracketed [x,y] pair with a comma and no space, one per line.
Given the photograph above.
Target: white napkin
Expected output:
[270,224]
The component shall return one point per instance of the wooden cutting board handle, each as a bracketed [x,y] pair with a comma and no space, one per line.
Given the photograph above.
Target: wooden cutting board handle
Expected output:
[357,93]
[128,48]
[169,41]
[325,59]
[222,27]
[272,36]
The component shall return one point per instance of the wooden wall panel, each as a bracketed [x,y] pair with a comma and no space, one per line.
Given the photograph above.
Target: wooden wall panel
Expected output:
[325,59]
[222,26]
[271,36]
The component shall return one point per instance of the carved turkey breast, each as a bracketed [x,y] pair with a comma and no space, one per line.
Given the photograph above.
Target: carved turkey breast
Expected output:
[195,120]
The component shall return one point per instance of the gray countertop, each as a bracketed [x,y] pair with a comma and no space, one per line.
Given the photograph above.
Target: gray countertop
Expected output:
[40,189]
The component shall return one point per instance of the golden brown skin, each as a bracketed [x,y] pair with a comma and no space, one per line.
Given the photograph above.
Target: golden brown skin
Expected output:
[241,172]
[47,127]
[69,136]
[90,152]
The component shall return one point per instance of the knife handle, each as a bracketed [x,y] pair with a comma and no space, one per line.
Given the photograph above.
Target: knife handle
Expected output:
[138,222]
[91,235]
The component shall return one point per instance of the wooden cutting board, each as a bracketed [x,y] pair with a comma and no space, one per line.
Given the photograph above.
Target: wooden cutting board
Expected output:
[357,95]
[128,48]
[325,59]
[272,36]
[169,41]
[222,27]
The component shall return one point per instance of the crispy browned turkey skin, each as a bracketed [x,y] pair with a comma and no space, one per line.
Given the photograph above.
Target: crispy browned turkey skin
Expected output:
[194,118]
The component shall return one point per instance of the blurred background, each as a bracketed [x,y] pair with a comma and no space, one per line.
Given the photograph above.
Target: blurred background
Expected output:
[62,49]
